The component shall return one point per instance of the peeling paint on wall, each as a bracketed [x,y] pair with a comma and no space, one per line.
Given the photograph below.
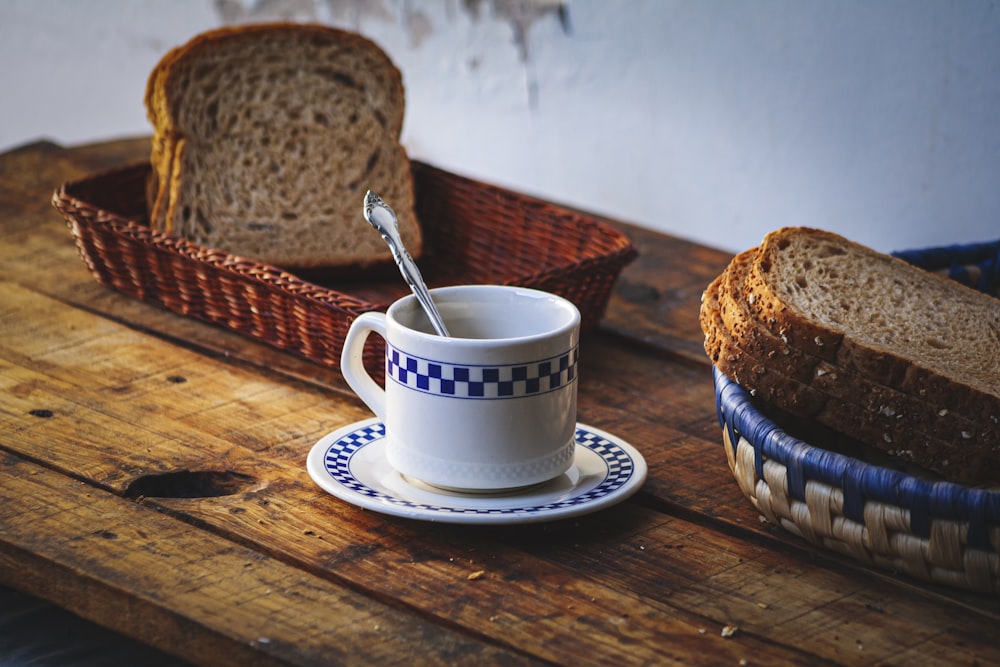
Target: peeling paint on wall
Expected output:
[350,13]
[234,12]
[519,15]
[522,15]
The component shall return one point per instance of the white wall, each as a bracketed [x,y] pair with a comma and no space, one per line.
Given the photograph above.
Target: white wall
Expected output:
[717,120]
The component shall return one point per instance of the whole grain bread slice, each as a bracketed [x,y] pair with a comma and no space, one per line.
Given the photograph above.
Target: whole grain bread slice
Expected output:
[898,438]
[939,416]
[266,138]
[893,323]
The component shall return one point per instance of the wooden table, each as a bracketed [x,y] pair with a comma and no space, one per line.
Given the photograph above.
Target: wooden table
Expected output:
[252,563]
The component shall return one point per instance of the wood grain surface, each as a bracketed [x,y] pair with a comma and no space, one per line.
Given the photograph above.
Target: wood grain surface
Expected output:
[152,480]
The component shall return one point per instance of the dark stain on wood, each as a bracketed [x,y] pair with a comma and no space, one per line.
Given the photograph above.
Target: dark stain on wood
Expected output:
[189,484]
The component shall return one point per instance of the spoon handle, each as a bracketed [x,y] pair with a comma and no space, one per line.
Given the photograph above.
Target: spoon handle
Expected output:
[407,267]
[412,276]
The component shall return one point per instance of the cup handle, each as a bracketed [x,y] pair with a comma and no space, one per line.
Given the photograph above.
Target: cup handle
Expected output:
[352,361]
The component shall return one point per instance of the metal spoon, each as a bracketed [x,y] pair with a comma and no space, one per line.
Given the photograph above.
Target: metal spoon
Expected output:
[389,229]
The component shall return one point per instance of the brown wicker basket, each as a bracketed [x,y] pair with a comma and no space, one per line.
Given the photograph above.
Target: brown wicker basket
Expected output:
[474,233]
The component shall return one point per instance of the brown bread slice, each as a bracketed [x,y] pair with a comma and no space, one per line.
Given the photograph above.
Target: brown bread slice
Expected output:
[891,322]
[939,417]
[898,438]
[266,138]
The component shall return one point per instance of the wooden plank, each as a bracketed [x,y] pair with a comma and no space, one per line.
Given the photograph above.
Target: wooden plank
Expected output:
[656,298]
[591,579]
[281,513]
[613,395]
[193,594]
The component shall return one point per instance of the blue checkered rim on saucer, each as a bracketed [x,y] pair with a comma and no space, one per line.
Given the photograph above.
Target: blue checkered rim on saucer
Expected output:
[625,471]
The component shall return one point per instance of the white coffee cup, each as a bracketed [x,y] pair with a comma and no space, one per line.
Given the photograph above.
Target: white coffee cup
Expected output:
[491,407]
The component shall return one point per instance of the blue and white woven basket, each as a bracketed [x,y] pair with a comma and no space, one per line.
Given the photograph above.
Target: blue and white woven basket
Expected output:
[932,530]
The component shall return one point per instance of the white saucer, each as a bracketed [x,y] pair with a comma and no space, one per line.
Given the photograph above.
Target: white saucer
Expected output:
[350,464]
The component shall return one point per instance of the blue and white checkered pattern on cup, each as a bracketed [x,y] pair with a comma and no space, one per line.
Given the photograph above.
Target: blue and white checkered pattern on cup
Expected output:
[480,382]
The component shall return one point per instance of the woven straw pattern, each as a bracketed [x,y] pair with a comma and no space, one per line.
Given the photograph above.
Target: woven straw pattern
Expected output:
[473,233]
[931,530]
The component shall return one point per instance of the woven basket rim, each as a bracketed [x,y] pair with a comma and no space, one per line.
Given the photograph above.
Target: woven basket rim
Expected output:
[277,277]
[943,257]
[616,252]
[106,213]
[861,481]
[976,265]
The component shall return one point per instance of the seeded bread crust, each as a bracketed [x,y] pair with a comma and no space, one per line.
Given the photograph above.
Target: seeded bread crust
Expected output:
[266,138]
[759,374]
[896,437]
[937,416]
[878,316]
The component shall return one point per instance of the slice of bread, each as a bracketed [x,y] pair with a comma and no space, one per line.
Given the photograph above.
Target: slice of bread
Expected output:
[925,413]
[770,327]
[872,313]
[901,438]
[266,138]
